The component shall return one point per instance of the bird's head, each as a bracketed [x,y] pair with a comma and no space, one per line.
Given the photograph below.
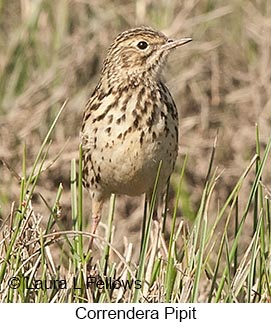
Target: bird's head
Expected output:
[139,52]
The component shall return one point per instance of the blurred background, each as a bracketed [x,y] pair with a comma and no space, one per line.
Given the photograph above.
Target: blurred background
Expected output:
[51,51]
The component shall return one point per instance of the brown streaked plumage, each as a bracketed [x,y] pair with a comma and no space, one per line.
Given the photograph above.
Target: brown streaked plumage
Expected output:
[130,122]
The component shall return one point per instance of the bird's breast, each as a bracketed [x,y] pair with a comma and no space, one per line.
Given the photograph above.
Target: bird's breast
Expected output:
[128,141]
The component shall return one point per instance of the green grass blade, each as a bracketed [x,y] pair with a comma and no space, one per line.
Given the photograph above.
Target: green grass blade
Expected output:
[142,257]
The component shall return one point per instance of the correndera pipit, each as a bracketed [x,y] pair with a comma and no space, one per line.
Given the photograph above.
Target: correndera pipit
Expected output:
[130,123]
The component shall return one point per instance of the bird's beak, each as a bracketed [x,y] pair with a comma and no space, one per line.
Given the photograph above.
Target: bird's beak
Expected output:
[175,43]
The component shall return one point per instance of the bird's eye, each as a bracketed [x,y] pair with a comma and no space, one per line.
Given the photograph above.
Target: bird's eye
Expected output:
[142,45]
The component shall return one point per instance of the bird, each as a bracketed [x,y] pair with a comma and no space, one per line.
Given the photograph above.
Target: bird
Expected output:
[130,122]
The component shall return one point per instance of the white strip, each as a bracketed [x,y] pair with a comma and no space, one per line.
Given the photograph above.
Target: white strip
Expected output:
[205,313]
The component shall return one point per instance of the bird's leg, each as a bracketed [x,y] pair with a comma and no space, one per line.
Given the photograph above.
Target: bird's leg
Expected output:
[155,213]
[156,207]
[96,217]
